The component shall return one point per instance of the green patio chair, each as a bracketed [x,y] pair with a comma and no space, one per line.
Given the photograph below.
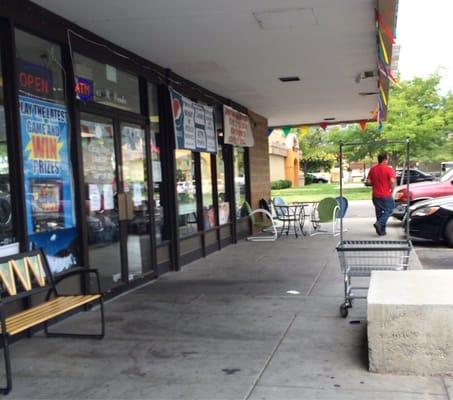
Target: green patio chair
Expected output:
[327,211]
[266,224]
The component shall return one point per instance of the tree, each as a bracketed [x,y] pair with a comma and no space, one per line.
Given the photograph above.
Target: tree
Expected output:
[316,153]
[415,111]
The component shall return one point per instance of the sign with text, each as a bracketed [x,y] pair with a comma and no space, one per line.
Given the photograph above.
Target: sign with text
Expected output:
[84,89]
[47,170]
[49,202]
[34,80]
[237,129]
[193,124]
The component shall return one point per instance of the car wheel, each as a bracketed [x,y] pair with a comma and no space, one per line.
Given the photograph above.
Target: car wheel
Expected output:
[449,233]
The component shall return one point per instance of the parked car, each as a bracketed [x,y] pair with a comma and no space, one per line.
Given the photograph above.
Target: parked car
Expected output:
[415,175]
[432,220]
[422,191]
[316,177]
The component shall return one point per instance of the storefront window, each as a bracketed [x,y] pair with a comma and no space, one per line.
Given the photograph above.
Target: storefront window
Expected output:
[135,184]
[224,205]
[156,164]
[209,212]
[105,84]
[39,71]
[239,179]
[186,192]
[46,149]
[6,226]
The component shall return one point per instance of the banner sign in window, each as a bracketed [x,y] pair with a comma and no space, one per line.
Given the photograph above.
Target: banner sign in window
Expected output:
[47,171]
[237,129]
[48,183]
[193,124]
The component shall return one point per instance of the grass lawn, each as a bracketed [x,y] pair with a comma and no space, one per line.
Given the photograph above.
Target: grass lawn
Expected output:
[317,191]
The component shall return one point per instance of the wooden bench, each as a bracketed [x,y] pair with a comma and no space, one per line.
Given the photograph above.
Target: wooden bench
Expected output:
[25,275]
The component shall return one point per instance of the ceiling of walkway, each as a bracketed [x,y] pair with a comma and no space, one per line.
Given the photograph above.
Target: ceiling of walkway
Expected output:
[240,48]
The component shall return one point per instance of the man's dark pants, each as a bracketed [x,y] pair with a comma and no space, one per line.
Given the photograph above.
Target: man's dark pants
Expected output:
[384,207]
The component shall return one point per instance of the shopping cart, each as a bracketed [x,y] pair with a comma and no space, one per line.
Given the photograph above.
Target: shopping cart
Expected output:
[359,257]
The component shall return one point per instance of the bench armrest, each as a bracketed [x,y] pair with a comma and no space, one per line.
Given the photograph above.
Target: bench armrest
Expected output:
[78,271]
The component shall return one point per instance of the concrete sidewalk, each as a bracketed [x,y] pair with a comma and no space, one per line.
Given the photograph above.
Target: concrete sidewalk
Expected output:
[226,328]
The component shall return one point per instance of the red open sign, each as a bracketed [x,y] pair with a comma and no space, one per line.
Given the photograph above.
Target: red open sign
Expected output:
[34,83]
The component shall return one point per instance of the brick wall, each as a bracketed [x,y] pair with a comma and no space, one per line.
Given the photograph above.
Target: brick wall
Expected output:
[260,182]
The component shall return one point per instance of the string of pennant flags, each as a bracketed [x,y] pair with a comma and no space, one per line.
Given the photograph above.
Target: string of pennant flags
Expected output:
[384,72]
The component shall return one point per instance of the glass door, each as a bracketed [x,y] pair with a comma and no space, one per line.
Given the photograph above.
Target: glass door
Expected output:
[117,198]
[101,202]
[135,186]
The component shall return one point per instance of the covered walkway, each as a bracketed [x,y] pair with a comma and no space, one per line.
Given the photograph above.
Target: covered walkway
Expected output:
[226,328]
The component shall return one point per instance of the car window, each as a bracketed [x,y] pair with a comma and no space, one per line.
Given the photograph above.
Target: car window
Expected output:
[448,176]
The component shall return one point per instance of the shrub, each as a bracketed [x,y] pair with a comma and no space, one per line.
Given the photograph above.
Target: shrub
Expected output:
[308,179]
[281,184]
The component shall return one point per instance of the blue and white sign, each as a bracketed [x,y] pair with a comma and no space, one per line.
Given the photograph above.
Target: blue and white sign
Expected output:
[48,178]
[193,124]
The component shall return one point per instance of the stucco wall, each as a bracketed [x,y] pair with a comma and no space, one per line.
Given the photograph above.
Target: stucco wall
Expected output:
[277,167]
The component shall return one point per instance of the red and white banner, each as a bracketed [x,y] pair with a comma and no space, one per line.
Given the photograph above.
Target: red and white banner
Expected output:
[237,129]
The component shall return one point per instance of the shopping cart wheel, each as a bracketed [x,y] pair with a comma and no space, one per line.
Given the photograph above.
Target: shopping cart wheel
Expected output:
[344,310]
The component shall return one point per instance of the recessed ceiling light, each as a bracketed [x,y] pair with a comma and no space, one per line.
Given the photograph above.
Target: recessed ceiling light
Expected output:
[329,119]
[289,78]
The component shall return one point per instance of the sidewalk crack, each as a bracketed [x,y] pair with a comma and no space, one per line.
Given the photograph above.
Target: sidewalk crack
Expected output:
[270,357]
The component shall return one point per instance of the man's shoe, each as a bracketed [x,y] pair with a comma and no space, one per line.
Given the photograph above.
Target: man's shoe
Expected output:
[378,228]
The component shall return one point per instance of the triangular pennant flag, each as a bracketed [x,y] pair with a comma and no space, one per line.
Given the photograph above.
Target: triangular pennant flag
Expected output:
[383,96]
[384,27]
[286,130]
[380,127]
[323,125]
[374,114]
[269,131]
[304,130]
[362,124]
[384,50]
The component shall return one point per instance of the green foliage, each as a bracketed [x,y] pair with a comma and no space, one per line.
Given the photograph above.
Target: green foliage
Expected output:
[318,191]
[308,180]
[281,184]
[415,111]
[316,153]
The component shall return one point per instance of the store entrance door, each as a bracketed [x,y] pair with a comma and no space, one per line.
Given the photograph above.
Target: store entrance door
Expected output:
[117,214]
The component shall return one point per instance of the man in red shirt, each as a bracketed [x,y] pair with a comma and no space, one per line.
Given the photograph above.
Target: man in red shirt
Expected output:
[382,178]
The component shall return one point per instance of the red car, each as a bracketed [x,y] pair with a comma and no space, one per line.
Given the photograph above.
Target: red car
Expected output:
[421,191]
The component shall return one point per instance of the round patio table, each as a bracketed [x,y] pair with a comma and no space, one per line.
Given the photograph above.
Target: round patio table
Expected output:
[293,218]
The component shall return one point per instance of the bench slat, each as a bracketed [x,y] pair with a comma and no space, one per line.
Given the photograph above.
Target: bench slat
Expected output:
[26,319]
[37,310]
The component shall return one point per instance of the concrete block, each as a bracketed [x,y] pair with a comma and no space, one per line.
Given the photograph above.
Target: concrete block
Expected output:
[410,322]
